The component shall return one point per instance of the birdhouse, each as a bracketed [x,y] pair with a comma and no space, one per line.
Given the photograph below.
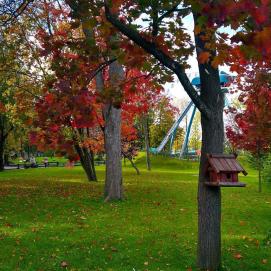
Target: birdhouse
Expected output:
[223,170]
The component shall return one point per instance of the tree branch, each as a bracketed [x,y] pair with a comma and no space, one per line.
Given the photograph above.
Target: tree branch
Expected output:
[183,11]
[101,67]
[151,48]
[16,13]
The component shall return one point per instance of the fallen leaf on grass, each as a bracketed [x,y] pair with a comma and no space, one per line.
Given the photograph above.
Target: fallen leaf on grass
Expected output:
[238,256]
[64,264]
[113,249]
[264,261]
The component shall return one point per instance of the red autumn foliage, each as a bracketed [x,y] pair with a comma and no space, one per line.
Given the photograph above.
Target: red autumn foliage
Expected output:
[70,109]
[254,120]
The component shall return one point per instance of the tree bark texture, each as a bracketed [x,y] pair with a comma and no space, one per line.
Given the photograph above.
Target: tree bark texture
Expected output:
[87,161]
[112,136]
[209,198]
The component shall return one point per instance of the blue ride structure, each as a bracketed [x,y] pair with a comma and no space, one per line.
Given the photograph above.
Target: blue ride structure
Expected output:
[189,110]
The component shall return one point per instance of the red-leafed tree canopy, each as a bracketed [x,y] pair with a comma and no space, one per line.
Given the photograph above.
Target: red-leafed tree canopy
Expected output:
[252,130]
[254,121]
[70,102]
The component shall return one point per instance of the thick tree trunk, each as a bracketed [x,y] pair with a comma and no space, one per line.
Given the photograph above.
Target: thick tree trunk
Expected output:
[209,198]
[147,141]
[113,179]
[112,136]
[87,161]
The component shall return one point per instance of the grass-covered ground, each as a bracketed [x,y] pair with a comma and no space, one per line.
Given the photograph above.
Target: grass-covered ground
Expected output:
[53,219]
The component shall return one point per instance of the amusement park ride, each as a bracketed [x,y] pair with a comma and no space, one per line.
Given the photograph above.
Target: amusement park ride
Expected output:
[225,80]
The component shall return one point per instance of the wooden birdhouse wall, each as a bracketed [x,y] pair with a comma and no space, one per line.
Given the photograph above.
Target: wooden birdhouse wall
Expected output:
[222,170]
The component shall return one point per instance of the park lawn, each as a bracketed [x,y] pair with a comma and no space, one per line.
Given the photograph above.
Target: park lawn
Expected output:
[50,216]
[40,160]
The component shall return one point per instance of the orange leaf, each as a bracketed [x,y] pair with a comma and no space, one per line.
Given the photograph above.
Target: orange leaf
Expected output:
[238,256]
[197,29]
[204,57]
[64,264]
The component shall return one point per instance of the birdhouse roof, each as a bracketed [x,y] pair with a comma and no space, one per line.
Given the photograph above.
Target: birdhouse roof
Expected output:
[225,163]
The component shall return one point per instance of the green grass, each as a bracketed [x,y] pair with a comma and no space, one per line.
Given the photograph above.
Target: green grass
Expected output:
[52,215]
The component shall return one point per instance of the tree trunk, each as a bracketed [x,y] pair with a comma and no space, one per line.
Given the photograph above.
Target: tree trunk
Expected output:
[259,158]
[260,179]
[112,118]
[6,159]
[147,141]
[113,179]
[2,148]
[87,161]
[132,163]
[209,198]
[112,136]
[2,141]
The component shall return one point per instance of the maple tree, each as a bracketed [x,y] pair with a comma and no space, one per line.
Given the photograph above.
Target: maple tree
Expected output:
[104,43]
[253,121]
[70,113]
